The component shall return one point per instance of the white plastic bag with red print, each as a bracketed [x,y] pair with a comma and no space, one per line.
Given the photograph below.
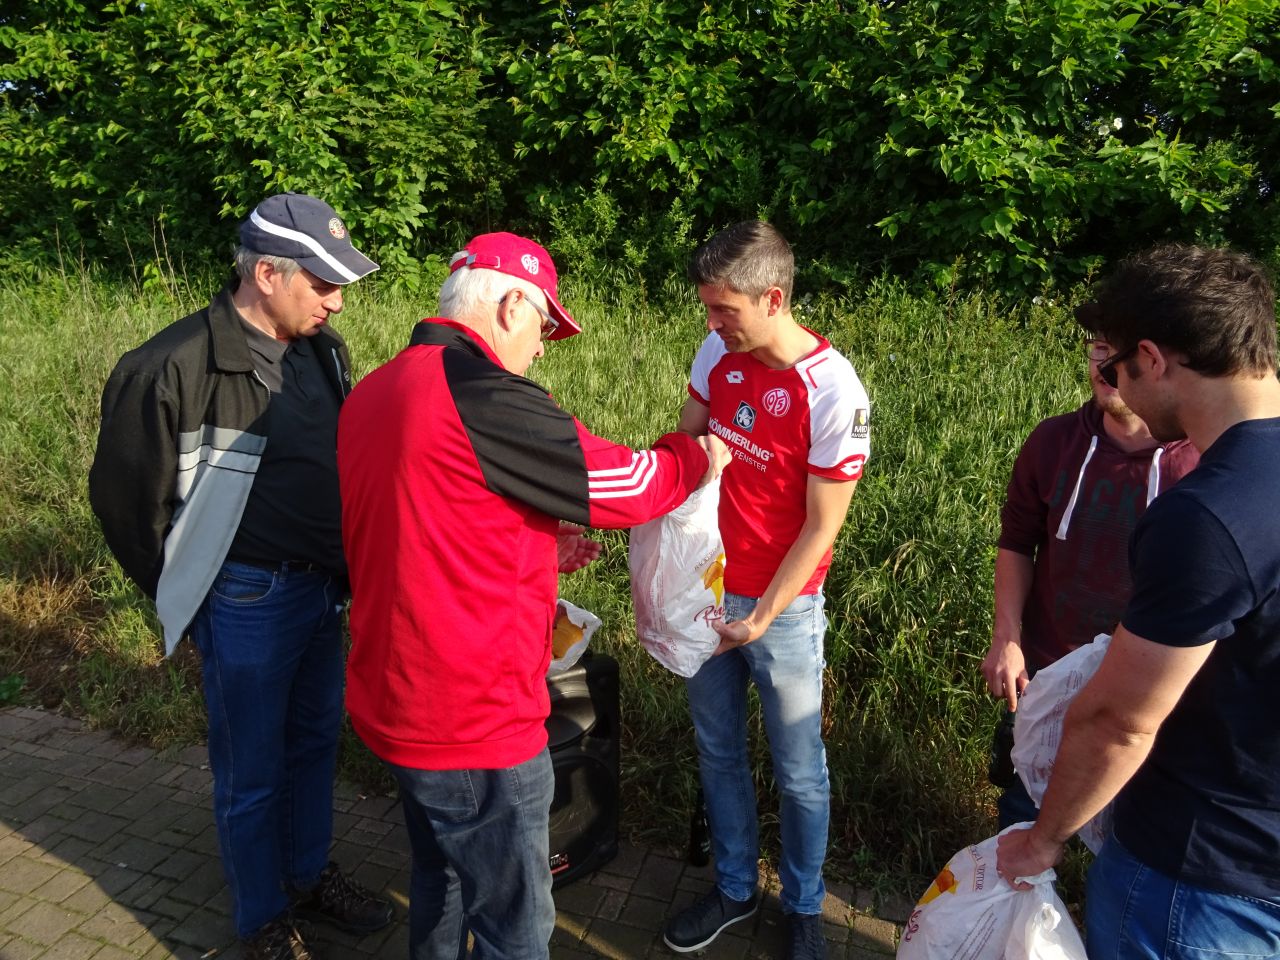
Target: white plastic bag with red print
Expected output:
[1037,726]
[677,582]
[970,913]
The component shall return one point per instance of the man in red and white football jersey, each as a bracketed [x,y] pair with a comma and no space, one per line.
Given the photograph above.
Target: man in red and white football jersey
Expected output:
[797,421]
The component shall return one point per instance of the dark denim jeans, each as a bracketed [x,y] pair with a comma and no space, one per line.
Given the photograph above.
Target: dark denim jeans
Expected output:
[481,847]
[1014,805]
[272,652]
[1133,912]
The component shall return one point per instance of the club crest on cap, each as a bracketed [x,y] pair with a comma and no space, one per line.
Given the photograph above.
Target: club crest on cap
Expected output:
[309,231]
[529,262]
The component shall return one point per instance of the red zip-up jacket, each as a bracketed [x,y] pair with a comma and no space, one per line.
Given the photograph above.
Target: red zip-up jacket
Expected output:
[454,476]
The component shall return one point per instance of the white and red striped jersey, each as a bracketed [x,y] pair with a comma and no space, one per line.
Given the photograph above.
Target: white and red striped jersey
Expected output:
[782,426]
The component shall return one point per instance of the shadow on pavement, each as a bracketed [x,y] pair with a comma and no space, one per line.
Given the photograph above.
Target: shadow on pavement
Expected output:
[108,852]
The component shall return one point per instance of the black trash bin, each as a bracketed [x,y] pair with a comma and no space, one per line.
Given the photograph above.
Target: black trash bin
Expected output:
[582,734]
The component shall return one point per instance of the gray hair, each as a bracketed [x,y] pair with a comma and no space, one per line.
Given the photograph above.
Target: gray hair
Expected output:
[247,262]
[469,291]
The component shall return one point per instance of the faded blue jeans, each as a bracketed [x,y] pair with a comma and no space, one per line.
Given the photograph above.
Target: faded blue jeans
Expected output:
[1133,912]
[272,660]
[786,666]
[481,860]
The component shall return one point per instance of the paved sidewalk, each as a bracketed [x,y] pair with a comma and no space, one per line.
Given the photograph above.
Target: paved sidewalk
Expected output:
[108,852]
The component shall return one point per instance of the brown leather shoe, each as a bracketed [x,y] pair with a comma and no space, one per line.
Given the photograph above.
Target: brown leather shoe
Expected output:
[342,902]
[278,940]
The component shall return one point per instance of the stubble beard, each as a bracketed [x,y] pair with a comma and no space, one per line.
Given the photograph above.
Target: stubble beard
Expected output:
[1114,406]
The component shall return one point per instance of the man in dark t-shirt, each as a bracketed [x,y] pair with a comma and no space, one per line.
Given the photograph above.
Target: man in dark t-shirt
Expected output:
[1178,724]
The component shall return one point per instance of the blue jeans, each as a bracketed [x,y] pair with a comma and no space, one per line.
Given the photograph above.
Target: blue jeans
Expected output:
[481,851]
[1133,912]
[271,647]
[786,665]
[1014,805]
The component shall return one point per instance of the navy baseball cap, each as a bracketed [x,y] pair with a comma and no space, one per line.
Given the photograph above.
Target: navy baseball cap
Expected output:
[308,230]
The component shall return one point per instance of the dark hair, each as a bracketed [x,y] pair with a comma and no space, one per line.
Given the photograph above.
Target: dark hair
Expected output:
[748,258]
[1216,306]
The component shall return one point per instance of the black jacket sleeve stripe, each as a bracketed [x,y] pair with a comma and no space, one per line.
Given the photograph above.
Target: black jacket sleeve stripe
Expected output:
[527,447]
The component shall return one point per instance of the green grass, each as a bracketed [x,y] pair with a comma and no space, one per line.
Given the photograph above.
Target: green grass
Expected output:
[955,387]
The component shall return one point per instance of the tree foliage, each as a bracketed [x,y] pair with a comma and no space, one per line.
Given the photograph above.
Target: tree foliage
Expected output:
[1023,139]
[177,116]
[1017,143]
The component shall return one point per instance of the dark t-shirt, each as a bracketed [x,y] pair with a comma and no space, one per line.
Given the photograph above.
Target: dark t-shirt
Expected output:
[293,511]
[1205,806]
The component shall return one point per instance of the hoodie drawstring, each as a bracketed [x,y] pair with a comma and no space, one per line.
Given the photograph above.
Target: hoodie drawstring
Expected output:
[1153,484]
[1075,494]
[1153,475]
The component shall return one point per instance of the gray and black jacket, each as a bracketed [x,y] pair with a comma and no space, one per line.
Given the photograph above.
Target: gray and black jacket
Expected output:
[183,431]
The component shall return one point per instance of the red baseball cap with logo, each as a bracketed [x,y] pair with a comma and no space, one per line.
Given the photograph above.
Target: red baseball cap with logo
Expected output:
[524,259]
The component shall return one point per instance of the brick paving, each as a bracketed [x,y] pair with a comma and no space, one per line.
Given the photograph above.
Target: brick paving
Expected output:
[108,852]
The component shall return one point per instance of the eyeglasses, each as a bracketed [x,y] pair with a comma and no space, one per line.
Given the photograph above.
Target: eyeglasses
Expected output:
[1107,368]
[1098,350]
[549,323]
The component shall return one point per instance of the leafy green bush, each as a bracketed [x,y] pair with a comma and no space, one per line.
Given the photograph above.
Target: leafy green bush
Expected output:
[142,129]
[1016,144]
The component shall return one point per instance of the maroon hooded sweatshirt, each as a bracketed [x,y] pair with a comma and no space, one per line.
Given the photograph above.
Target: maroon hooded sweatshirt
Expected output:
[1073,501]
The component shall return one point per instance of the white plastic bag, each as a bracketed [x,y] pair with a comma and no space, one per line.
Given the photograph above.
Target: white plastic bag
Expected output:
[677,582]
[970,913]
[570,635]
[1037,726]
[1041,928]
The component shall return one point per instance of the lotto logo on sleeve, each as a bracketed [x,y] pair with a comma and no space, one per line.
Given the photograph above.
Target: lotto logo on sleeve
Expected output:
[745,418]
[861,424]
[852,467]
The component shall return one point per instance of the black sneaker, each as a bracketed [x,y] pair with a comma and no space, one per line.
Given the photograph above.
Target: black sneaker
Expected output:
[807,939]
[342,902]
[695,927]
[278,940]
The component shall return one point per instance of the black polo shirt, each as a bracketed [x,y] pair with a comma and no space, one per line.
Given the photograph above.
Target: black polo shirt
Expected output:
[293,511]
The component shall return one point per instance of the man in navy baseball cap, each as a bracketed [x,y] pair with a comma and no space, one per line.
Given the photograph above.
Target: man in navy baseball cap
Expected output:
[308,231]
[216,484]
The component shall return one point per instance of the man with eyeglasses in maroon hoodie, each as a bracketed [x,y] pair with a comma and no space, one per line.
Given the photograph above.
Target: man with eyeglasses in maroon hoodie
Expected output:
[1078,487]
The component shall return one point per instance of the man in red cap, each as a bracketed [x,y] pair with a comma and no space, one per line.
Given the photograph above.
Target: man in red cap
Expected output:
[465,489]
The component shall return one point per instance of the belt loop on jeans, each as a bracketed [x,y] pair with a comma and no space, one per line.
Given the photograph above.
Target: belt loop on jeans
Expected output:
[284,566]
[301,566]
